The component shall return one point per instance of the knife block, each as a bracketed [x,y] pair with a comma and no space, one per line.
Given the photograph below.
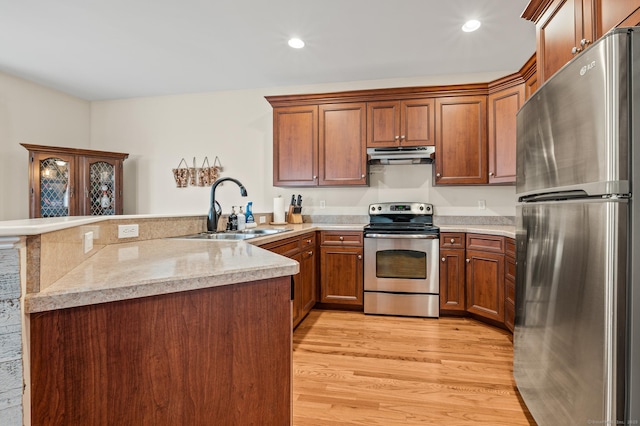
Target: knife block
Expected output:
[295,214]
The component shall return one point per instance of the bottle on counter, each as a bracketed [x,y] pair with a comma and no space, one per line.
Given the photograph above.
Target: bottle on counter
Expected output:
[249,219]
[241,220]
[233,219]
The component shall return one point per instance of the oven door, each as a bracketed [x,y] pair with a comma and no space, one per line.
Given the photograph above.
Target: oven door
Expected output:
[401,263]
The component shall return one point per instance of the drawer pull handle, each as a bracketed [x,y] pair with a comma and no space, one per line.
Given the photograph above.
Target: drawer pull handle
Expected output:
[341,238]
[308,241]
[453,241]
[310,253]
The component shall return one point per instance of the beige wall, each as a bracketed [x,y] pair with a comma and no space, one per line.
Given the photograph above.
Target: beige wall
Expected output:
[237,127]
[30,113]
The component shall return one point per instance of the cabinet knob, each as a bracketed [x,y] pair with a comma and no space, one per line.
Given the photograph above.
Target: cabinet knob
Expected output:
[443,259]
[490,173]
[397,137]
[402,137]
[310,253]
[575,50]
[468,260]
[453,241]
[585,42]
[341,238]
[362,176]
[359,257]
[315,177]
[308,241]
[437,174]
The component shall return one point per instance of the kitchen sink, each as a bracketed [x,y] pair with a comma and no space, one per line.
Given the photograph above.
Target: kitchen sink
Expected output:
[236,235]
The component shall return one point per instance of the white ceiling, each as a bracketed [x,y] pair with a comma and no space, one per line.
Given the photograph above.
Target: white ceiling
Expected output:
[113,49]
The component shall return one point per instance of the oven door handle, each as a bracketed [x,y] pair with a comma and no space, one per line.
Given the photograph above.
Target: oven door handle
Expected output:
[404,236]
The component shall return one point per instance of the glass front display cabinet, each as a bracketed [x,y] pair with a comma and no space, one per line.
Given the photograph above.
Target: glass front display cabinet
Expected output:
[74,182]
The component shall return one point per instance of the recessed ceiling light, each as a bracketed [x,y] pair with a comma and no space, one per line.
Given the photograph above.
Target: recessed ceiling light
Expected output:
[296,43]
[470,26]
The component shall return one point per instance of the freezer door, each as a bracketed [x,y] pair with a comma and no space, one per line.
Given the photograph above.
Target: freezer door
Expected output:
[569,350]
[573,133]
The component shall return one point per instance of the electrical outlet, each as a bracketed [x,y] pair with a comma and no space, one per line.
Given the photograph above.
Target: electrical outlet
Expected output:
[127,231]
[482,204]
[263,219]
[322,204]
[88,241]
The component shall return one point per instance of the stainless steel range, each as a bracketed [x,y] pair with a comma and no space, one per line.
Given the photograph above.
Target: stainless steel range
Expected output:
[401,268]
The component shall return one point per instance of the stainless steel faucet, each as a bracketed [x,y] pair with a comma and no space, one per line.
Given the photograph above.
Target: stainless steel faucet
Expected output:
[215,210]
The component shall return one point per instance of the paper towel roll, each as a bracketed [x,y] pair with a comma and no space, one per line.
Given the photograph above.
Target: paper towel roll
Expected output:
[278,210]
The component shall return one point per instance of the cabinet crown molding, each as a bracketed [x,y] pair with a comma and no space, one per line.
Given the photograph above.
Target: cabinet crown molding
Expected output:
[75,151]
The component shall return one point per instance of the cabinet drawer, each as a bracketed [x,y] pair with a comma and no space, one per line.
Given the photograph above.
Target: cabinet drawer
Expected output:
[286,247]
[510,247]
[491,243]
[452,240]
[510,269]
[341,238]
[308,241]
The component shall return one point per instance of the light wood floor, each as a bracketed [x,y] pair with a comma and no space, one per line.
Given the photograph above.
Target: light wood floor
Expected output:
[356,369]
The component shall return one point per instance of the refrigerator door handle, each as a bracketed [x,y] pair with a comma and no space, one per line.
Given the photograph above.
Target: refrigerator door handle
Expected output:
[554,196]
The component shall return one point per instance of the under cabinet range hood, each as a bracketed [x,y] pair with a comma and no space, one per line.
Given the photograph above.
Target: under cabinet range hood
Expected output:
[401,155]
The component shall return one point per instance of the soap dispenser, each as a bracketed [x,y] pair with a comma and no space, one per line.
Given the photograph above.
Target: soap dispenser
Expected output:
[241,220]
[250,221]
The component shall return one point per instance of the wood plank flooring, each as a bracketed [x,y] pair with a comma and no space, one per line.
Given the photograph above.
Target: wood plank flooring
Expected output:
[356,369]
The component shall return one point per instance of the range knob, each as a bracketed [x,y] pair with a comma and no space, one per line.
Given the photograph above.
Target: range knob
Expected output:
[379,208]
[428,208]
[373,208]
[421,207]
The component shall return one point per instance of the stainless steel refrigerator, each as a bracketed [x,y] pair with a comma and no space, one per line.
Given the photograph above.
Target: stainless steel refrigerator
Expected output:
[576,339]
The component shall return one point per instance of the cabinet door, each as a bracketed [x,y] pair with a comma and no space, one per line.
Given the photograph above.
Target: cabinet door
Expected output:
[296,311]
[613,13]
[503,106]
[295,146]
[341,275]
[531,85]
[461,140]
[54,191]
[452,280]
[485,284]
[559,30]
[383,123]
[308,277]
[342,144]
[417,127]
[101,192]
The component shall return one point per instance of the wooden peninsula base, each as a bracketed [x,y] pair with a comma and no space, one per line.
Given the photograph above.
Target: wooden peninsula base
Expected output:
[219,355]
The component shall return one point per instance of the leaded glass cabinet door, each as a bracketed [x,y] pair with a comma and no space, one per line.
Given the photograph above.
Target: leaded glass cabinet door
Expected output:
[102,186]
[54,190]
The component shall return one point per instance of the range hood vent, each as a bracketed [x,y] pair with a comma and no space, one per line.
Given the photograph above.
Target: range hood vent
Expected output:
[401,155]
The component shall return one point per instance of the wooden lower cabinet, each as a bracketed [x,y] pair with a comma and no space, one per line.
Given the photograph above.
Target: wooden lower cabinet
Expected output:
[477,276]
[303,250]
[510,284]
[219,355]
[341,268]
[452,272]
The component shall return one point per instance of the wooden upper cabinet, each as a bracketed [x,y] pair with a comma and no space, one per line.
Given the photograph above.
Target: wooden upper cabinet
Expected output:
[400,123]
[295,146]
[564,28]
[461,140]
[619,13]
[73,181]
[342,144]
[503,107]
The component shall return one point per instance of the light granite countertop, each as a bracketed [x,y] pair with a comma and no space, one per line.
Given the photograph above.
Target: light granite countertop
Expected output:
[146,268]
[153,267]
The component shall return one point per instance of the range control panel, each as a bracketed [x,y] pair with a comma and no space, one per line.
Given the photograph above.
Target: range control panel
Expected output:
[415,209]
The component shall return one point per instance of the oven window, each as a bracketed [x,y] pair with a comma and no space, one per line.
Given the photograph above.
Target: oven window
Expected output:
[407,264]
